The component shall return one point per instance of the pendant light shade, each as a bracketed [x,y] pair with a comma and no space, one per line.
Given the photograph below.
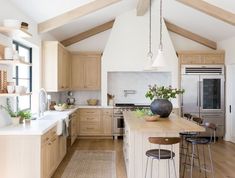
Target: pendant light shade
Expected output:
[159,60]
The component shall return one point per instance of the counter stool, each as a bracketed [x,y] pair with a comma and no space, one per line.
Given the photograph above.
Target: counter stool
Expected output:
[201,141]
[161,153]
[185,135]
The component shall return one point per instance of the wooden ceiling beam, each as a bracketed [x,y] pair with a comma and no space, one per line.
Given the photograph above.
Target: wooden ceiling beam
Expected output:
[211,10]
[142,7]
[74,14]
[190,35]
[88,33]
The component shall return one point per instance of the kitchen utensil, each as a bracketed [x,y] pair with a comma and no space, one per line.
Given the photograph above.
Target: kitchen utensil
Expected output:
[92,102]
[70,100]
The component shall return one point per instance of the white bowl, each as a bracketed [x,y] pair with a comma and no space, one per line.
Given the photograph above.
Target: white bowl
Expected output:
[12,23]
[20,89]
[10,89]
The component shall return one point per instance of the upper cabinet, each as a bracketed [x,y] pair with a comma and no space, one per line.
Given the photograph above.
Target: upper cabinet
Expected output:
[56,67]
[201,57]
[86,71]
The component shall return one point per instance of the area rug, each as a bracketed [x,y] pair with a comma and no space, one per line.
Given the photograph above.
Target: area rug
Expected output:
[91,164]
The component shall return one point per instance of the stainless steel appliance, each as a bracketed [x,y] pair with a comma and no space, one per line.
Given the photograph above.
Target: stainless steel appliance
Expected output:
[204,93]
[70,100]
[118,119]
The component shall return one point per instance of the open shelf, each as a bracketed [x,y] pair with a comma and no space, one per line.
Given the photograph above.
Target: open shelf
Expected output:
[14,62]
[13,32]
[14,94]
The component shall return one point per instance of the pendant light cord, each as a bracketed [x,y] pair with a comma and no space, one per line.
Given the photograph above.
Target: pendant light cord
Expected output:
[150,27]
[160,45]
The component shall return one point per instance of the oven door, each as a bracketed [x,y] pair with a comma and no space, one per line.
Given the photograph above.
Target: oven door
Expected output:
[118,125]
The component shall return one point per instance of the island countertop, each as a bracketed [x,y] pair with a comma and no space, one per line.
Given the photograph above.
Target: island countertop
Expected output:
[172,124]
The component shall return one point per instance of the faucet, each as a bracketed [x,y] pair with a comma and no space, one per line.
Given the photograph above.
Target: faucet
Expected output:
[42,102]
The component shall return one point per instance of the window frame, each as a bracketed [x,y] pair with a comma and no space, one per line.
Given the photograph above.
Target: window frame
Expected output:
[16,78]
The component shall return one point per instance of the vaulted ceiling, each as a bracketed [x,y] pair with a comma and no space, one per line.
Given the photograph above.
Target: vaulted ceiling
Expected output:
[174,11]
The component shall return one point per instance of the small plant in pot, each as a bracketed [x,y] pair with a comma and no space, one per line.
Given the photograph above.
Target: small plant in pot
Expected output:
[161,95]
[25,115]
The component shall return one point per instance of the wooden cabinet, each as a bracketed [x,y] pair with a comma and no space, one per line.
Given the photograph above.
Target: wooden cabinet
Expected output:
[73,129]
[107,121]
[86,71]
[55,67]
[95,122]
[90,122]
[201,57]
[53,150]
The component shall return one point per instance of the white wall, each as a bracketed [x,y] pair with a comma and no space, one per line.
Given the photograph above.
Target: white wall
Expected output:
[137,81]
[127,47]
[228,46]
[9,11]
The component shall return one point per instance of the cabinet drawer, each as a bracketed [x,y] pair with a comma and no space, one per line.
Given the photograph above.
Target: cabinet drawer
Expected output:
[90,118]
[89,112]
[108,112]
[89,128]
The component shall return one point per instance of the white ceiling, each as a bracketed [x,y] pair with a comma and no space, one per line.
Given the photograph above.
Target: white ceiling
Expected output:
[41,10]
[179,14]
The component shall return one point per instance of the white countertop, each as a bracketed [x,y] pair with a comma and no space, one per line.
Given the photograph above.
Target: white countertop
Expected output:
[42,125]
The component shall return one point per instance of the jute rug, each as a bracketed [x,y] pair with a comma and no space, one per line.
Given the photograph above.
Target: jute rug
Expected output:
[91,164]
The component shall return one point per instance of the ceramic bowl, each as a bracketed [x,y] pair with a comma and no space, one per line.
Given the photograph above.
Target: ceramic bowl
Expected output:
[10,89]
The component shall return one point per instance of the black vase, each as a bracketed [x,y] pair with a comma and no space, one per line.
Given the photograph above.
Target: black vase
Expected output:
[162,107]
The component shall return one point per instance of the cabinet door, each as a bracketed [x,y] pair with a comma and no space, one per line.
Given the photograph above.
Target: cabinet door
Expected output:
[92,73]
[77,66]
[107,121]
[60,68]
[73,128]
[45,161]
[78,123]
[62,147]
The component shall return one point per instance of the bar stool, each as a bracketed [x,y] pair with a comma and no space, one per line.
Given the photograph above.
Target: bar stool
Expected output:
[201,141]
[161,153]
[185,135]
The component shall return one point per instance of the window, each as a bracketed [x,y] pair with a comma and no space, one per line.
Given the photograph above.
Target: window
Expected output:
[23,75]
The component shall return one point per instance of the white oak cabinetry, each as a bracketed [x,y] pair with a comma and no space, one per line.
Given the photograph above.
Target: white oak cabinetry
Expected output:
[53,151]
[56,67]
[107,121]
[86,71]
[95,122]
[201,57]
[31,156]
[73,131]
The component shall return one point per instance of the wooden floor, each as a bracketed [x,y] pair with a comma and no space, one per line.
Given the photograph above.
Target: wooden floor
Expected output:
[223,157]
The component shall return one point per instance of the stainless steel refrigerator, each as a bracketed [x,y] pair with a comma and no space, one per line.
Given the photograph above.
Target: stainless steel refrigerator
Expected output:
[204,94]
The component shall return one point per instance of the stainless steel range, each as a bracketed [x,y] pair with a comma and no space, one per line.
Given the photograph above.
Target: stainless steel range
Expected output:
[118,119]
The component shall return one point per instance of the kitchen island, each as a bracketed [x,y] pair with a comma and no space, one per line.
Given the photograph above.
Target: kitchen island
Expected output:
[137,132]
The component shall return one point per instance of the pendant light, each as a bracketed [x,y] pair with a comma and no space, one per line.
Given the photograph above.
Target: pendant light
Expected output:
[149,62]
[160,61]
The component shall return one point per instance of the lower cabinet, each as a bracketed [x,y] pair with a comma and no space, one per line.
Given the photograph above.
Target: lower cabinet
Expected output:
[73,131]
[53,150]
[95,122]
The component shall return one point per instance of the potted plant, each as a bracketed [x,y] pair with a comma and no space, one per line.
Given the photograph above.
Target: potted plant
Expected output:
[14,114]
[161,95]
[25,115]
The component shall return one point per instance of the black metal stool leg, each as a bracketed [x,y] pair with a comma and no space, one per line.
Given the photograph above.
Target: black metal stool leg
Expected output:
[192,161]
[185,161]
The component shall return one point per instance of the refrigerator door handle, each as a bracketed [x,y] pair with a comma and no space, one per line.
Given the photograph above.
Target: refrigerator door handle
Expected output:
[200,93]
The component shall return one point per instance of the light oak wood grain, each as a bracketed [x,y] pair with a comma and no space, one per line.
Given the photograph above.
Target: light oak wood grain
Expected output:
[211,10]
[190,35]
[74,14]
[142,7]
[88,33]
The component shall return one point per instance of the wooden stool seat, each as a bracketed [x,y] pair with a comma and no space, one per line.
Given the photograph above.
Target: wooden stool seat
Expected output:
[160,154]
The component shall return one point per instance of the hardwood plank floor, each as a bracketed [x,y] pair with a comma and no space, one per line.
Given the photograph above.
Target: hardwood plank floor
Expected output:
[223,154]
